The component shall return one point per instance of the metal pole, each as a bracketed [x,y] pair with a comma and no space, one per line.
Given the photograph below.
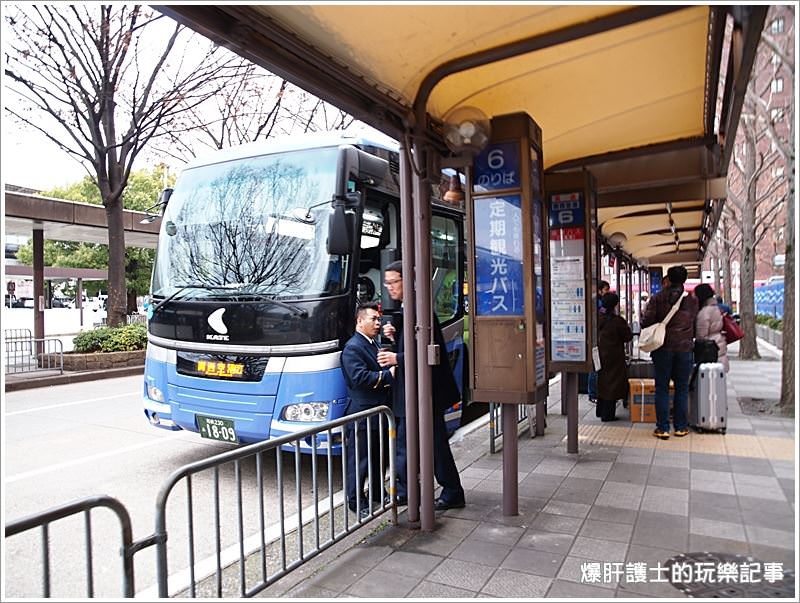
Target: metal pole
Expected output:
[572,411]
[38,289]
[510,460]
[422,285]
[564,394]
[79,299]
[409,336]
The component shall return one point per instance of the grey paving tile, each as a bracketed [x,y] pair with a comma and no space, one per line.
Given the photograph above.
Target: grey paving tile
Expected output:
[747,479]
[649,589]
[755,491]
[783,469]
[477,551]
[557,523]
[551,542]
[591,469]
[461,574]
[339,577]
[768,520]
[563,589]
[575,569]
[511,584]
[571,495]
[455,527]
[767,536]
[309,591]
[771,554]
[748,503]
[673,501]
[710,511]
[471,512]
[366,556]
[699,543]
[433,543]
[714,500]
[717,529]
[750,465]
[613,514]
[582,483]
[476,472]
[607,530]
[628,473]
[496,476]
[713,462]
[554,467]
[616,494]
[560,507]
[407,563]
[498,533]
[649,555]
[661,532]
[541,563]
[599,549]
[664,458]
[534,490]
[376,583]
[433,590]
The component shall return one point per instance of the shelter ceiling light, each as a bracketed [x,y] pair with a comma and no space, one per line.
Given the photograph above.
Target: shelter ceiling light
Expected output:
[466,129]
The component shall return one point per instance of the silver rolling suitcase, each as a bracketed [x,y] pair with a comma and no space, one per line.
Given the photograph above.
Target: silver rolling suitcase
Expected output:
[708,404]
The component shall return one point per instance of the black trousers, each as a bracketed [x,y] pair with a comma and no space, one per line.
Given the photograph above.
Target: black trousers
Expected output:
[606,409]
[359,454]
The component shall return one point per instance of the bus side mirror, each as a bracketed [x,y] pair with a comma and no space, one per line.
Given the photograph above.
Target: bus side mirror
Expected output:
[340,232]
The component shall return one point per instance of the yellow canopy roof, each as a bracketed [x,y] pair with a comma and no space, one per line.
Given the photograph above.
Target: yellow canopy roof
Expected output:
[614,88]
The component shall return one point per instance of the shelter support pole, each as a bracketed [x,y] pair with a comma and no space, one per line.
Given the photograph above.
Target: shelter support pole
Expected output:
[510,459]
[38,284]
[572,411]
[563,393]
[422,286]
[409,335]
[79,299]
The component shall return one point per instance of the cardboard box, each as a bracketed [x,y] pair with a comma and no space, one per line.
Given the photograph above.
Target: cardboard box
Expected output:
[642,399]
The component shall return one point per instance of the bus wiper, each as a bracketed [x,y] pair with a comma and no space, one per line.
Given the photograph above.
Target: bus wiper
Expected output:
[181,289]
[273,300]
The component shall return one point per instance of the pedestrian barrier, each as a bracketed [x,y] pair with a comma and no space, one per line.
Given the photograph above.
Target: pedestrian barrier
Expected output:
[85,506]
[224,564]
[496,425]
[14,334]
[25,354]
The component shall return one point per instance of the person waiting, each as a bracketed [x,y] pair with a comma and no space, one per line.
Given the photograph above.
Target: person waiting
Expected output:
[708,324]
[602,288]
[613,333]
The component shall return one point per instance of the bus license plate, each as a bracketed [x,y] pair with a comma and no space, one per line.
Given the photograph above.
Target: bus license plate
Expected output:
[217,429]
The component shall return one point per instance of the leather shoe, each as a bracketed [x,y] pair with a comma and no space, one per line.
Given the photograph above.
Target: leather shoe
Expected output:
[442,505]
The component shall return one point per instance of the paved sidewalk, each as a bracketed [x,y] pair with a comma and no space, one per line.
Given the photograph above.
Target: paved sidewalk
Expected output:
[626,502]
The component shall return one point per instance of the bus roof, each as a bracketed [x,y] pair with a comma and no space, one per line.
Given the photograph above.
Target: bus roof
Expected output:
[285,144]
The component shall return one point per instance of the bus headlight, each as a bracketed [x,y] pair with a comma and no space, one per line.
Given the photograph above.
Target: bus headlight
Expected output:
[306,411]
[154,393]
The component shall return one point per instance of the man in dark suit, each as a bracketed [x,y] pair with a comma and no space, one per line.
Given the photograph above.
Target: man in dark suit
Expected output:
[445,394]
[368,386]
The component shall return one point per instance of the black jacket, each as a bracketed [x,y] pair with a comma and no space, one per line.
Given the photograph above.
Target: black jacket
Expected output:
[445,389]
[679,332]
[368,385]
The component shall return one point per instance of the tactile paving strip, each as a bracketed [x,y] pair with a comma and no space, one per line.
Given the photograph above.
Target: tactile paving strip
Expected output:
[637,436]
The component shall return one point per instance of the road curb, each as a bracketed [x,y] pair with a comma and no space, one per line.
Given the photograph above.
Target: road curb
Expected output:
[18,382]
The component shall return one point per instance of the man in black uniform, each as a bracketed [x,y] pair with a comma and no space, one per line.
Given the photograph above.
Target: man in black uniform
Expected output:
[445,394]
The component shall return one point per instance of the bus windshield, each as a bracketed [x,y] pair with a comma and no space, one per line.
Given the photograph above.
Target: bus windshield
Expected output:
[250,223]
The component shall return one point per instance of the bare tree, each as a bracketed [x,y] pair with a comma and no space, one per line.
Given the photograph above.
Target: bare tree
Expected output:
[779,126]
[757,190]
[258,107]
[101,82]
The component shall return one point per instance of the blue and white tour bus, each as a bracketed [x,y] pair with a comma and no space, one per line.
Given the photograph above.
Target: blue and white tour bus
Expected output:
[263,254]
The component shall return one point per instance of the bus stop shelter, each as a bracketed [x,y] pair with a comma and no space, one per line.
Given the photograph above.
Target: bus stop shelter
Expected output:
[646,98]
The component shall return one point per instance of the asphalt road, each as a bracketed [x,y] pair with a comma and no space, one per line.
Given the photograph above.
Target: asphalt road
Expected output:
[66,442]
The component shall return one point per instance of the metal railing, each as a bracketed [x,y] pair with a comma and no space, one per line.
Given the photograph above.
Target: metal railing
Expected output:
[85,506]
[26,354]
[235,549]
[496,425]
[14,334]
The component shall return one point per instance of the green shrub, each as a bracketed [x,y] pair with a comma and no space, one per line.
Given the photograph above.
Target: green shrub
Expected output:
[112,339]
[126,339]
[91,341]
[775,323]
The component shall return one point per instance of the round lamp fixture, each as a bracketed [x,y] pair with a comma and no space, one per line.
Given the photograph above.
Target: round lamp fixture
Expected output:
[618,240]
[466,129]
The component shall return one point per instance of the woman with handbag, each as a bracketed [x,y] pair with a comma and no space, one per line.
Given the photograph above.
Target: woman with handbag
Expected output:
[674,358]
[708,324]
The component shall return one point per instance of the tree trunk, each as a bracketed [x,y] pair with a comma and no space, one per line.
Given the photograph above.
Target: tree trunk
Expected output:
[787,373]
[132,306]
[117,289]
[725,259]
[748,348]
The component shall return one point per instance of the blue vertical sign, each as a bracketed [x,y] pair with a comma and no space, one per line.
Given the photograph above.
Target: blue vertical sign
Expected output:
[498,265]
[656,276]
[497,167]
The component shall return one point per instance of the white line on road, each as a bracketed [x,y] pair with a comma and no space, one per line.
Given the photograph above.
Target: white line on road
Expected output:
[87,459]
[38,408]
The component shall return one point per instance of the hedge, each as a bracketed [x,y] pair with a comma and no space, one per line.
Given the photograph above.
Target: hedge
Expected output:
[112,339]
